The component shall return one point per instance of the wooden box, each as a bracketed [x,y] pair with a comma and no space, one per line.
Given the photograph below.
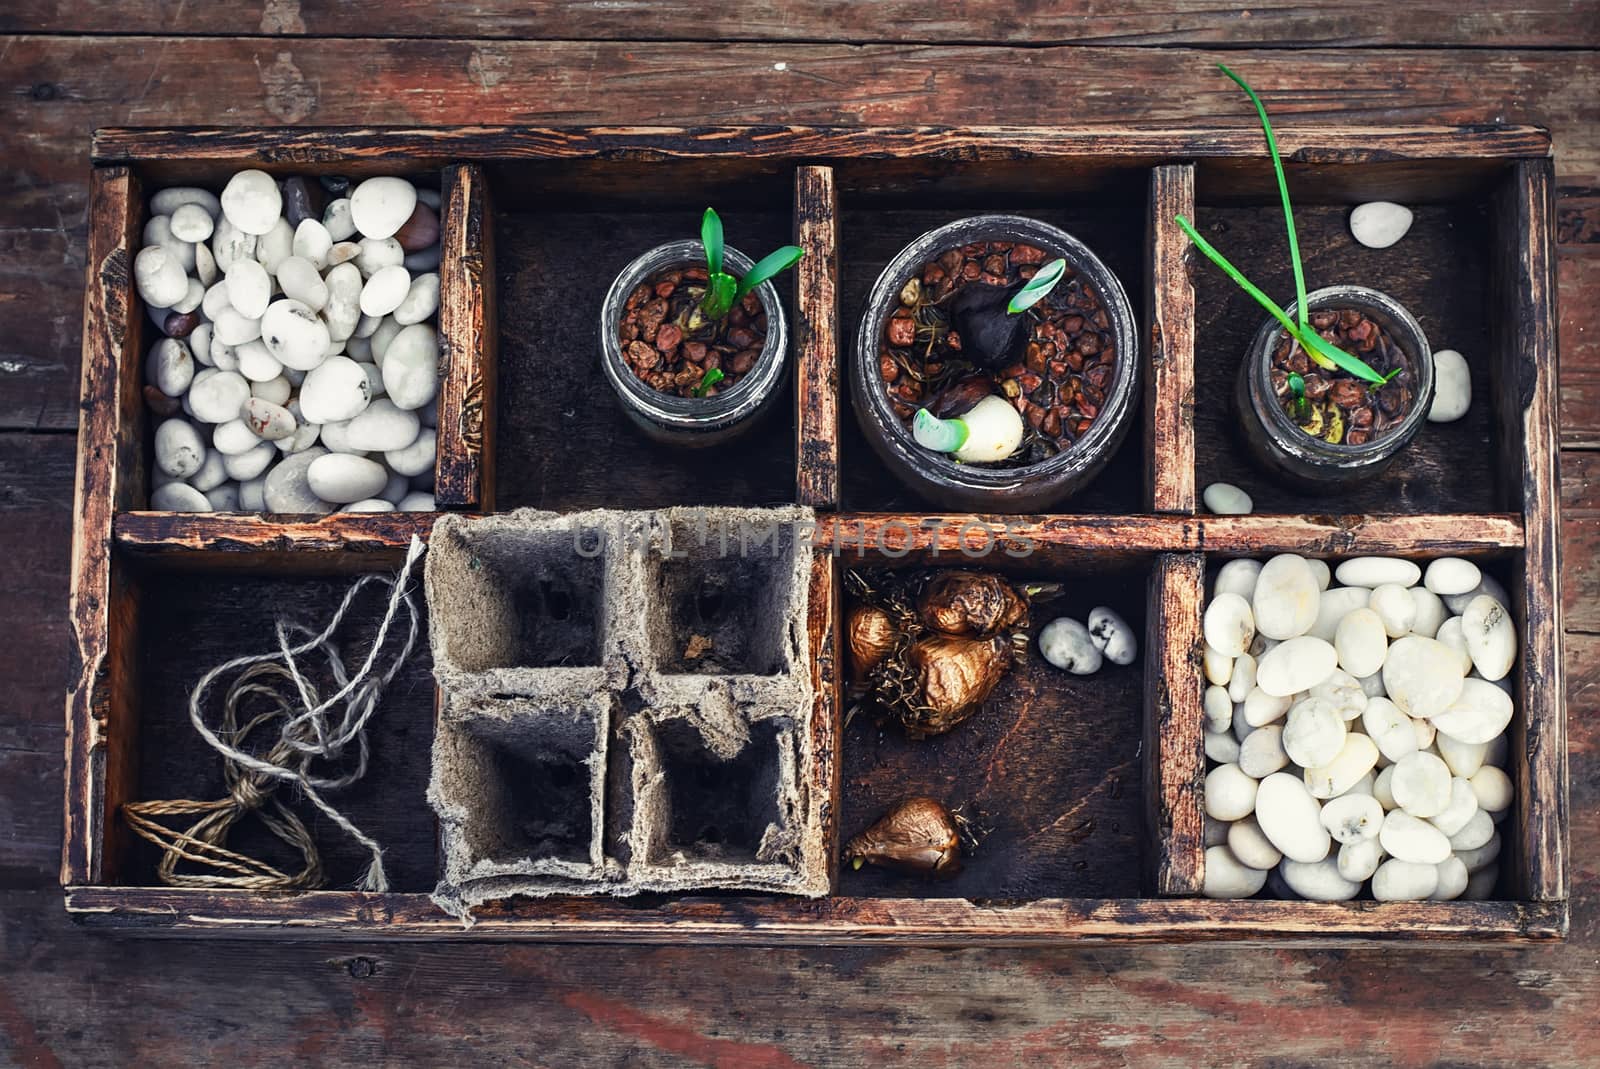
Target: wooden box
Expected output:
[1094,793]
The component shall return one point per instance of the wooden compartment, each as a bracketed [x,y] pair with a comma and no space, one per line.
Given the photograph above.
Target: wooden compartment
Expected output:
[1095,784]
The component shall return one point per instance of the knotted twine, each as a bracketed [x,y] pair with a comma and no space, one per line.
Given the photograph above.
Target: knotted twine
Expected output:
[312,728]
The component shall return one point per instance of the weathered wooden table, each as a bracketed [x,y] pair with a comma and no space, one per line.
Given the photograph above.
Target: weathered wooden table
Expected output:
[74,997]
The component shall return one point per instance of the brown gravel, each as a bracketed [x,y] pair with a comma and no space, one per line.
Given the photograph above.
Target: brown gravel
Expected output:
[667,354]
[1345,410]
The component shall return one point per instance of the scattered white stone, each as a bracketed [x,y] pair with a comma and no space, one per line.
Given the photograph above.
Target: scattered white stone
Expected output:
[1237,577]
[336,389]
[1389,729]
[1230,794]
[1242,678]
[1251,845]
[384,291]
[159,277]
[192,223]
[1225,499]
[1318,882]
[1296,665]
[1480,713]
[1422,676]
[1421,784]
[1491,636]
[1218,666]
[1395,607]
[1111,634]
[218,396]
[1313,734]
[1352,818]
[179,448]
[1356,758]
[288,489]
[233,437]
[382,426]
[1379,223]
[1430,612]
[1410,839]
[421,300]
[1289,817]
[1457,603]
[169,200]
[1261,752]
[1228,625]
[416,502]
[179,497]
[378,253]
[1451,575]
[1334,606]
[1453,879]
[411,366]
[1286,597]
[251,463]
[170,367]
[1373,572]
[251,201]
[344,478]
[1452,387]
[1405,881]
[1221,747]
[256,363]
[381,206]
[1357,861]
[1463,803]
[1261,708]
[1362,643]
[1065,643]
[1227,877]
[371,504]
[1464,758]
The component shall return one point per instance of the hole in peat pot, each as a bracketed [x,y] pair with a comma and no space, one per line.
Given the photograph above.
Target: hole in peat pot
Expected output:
[539,765]
[720,809]
[723,615]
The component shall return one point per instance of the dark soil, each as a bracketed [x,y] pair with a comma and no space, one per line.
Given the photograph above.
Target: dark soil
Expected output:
[1341,408]
[671,349]
[1058,387]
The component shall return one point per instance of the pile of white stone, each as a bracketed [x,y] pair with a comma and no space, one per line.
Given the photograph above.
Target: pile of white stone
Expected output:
[300,363]
[1356,732]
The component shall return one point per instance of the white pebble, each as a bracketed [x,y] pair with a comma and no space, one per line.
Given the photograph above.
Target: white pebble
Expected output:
[1493,789]
[1357,757]
[1379,223]
[1463,803]
[191,222]
[1395,607]
[1452,387]
[253,494]
[170,367]
[422,300]
[1476,857]
[1289,817]
[343,310]
[294,334]
[381,426]
[1352,818]
[1464,758]
[234,436]
[1314,733]
[411,366]
[191,299]
[1373,572]
[230,329]
[1261,753]
[256,363]
[275,246]
[251,201]
[1335,605]
[381,206]
[1238,577]
[168,201]
[1380,788]
[336,218]
[1430,612]
[1410,839]
[1218,666]
[1359,860]
[1362,642]
[1261,708]
[1229,625]
[287,488]
[1490,635]
[1389,729]
[1489,585]
[1319,881]
[301,281]
[205,264]
[1451,635]
[1064,642]
[179,497]
[229,243]
[1225,499]
[217,396]
[1421,785]
[268,420]
[159,277]
[1111,634]
[1229,793]
[371,504]
[344,478]
[1343,692]
[334,390]
[179,449]
[312,243]
[1422,676]
[1451,575]
[1251,845]
[1286,597]
[1453,878]
[1296,665]
[378,253]
[251,463]
[416,502]
[1242,677]
[1480,884]
[211,475]
[1481,712]
[1221,747]
[1227,877]
[224,498]
[384,291]
[1404,881]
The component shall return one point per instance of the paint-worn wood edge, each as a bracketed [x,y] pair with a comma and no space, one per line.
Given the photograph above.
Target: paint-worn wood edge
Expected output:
[825,730]
[108,466]
[440,146]
[997,538]
[778,920]
[1174,755]
[1525,393]
[816,338]
[464,466]
[276,543]
[1169,337]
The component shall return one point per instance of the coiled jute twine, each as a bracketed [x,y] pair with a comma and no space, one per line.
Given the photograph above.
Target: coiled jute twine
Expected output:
[310,729]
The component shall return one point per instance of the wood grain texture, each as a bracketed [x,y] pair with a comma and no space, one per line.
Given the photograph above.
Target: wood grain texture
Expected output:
[1433,23]
[1175,763]
[464,465]
[827,717]
[259,541]
[777,921]
[1525,398]
[110,465]
[1169,340]
[816,337]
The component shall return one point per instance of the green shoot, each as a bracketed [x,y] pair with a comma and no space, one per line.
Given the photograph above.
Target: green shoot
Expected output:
[1297,387]
[708,380]
[1038,287]
[723,291]
[1312,342]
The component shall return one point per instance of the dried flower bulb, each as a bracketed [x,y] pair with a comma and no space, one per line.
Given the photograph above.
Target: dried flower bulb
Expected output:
[919,835]
[872,634]
[972,603]
[954,676]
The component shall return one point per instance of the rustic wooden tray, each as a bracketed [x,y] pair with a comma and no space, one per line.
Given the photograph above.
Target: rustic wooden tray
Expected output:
[1093,787]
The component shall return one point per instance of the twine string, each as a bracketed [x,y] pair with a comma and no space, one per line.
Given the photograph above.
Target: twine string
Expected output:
[310,729]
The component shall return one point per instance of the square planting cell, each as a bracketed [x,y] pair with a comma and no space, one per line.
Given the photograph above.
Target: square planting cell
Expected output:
[520,789]
[721,807]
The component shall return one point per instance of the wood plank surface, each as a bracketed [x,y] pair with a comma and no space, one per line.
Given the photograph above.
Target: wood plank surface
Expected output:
[77,997]
[816,336]
[1276,23]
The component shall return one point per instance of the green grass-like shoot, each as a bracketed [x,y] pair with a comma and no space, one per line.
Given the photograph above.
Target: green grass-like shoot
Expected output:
[1297,387]
[1038,287]
[723,291]
[709,379]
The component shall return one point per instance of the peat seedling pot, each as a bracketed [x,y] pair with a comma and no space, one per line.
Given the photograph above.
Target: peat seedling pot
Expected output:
[657,352]
[1071,368]
[1345,429]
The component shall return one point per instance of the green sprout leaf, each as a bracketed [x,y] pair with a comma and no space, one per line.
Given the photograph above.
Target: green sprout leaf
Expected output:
[708,380]
[769,266]
[721,291]
[939,435]
[1309,340]
[1038,287]
[711,238]
[1297,387]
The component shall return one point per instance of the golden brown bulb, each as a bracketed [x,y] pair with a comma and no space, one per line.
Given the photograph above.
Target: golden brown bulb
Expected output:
[919,835]
[972,603]
[872,635]
[954,676]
